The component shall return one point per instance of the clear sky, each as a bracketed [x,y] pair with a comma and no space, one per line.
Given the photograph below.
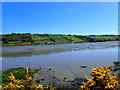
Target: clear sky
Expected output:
[60,17]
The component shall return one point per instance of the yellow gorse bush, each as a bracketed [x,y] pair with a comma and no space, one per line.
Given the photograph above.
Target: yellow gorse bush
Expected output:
[101,79]
[26,84]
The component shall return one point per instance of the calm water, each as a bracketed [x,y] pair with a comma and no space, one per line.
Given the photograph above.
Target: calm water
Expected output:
[65,62]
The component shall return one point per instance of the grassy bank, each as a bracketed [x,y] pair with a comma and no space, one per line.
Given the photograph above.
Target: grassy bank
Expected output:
[19,73]
[42,39]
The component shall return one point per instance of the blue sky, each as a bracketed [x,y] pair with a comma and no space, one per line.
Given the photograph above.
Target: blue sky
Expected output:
[60,17]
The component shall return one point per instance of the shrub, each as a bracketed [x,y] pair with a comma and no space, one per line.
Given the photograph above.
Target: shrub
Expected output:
[101,80]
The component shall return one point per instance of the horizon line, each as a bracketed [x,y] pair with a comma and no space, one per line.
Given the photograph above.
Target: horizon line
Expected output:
[57,33]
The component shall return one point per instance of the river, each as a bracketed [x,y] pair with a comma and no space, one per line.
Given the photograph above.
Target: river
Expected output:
[64,60]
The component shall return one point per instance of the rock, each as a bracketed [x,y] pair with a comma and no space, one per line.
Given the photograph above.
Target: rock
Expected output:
[83,66]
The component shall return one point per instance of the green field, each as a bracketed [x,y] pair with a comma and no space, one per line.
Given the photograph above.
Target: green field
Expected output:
[31,39]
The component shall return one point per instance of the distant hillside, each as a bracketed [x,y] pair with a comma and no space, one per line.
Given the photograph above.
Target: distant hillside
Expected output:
[33,39]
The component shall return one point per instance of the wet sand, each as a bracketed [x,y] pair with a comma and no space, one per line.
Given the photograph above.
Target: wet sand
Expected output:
[19,51]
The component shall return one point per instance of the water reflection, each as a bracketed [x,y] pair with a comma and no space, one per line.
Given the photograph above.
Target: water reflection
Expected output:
[28,51]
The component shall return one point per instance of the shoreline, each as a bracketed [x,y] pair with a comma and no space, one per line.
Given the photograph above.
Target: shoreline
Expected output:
[18,45]
[10,49]
[21,51]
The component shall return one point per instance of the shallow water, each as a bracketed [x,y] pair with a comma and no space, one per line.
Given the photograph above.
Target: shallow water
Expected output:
[22,51]
[65,62]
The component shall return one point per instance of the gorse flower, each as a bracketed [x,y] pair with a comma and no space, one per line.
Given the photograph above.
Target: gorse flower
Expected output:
[26,84]
[101,79]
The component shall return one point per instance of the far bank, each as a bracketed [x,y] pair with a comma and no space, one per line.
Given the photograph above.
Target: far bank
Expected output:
[24,39]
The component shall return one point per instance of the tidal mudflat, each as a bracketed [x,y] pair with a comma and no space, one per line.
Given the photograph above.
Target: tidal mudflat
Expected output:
[61,64]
